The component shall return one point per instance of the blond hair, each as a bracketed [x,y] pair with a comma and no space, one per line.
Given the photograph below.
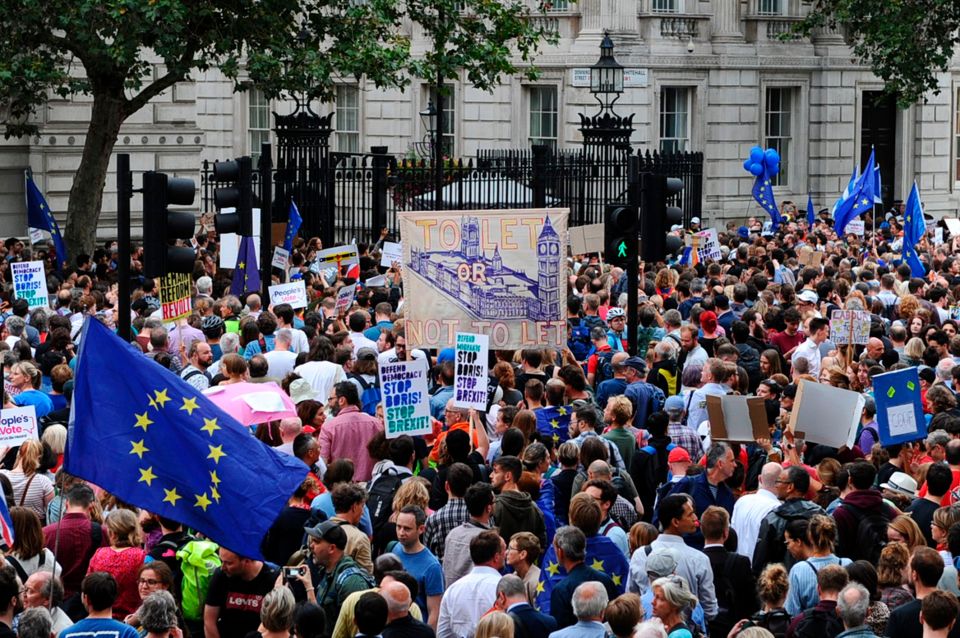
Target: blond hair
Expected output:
[414,492]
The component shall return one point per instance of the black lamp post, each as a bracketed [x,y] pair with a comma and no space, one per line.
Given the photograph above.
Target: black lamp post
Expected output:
[428,117]
[606,76]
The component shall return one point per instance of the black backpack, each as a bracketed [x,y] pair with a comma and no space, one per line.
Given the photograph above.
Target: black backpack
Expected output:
[776,621]
[871,536]
[816,623]
[380,499]
[604,368]
[579,339]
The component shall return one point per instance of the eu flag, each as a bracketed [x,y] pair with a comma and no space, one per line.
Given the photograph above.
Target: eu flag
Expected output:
[847,192]
[914,227]
[554,423]
[140,432]
[293,225]
[811,215]
[246,276]
[861,198]
[602,555]
[763,193]
[39,216]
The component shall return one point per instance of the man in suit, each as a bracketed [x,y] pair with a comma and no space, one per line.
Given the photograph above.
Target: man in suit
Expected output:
[527,621]
[589,601]
[733,580]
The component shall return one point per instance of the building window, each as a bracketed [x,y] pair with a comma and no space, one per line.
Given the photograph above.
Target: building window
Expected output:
[449,117]
[666,6]
[956,136]
[543,115]
[778,128]
[770,7]
[559,5]
[259,122]
[348,118]
[675,119]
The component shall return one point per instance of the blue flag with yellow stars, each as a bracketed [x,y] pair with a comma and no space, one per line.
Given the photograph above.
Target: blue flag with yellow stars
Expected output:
[554,422]
[293,225]
[39,216]
[763,193]
[861,198]
[914,227]
[140,432]
[602,555]
[246,276]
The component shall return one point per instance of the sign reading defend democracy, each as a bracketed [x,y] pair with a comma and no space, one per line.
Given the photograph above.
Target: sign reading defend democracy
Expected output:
[492,272]
[470,375]
[175,292]
[405,397]
[30,283]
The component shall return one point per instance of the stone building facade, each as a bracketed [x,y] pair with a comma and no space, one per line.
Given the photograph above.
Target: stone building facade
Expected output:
[702,75]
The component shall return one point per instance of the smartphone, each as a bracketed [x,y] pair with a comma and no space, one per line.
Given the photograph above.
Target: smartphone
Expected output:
[292,573]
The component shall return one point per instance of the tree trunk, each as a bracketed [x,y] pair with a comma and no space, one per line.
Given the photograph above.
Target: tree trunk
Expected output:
[86,195]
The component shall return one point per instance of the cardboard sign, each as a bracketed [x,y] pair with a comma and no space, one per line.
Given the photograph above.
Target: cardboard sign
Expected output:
[708,246]
[18,425]
[36,235]
[293,293]
[337,256]
[856,227]
[586,239]
[899,407]
[938,235]
[470,375]
[737,418]
[810,258]
[405,398]
[281,257]
[30,283]
[850,327]
[376,282]
[175,292]
[953,225]
[230,242]
[345,298]
[825,414]
[392,252]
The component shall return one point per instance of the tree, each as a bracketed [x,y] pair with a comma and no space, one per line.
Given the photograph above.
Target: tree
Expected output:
[906,43]
[108,49]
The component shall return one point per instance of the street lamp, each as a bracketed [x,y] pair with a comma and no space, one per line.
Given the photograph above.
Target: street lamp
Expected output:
[428,117]
[606,76]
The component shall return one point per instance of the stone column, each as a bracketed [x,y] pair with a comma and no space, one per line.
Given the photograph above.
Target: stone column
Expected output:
[726,21]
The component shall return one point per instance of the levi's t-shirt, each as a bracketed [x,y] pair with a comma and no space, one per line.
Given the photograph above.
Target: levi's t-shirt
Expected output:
[239,600]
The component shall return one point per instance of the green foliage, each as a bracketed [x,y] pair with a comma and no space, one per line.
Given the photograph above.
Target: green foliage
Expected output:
[906,42]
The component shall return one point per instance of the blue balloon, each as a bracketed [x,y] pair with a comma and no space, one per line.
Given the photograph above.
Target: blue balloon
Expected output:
[756,169]
[773,170]
[746,164]
[756,154]
[771,157]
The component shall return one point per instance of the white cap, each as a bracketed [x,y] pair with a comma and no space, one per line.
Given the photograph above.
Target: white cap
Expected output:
[808,296]
[676,227]
[695,220]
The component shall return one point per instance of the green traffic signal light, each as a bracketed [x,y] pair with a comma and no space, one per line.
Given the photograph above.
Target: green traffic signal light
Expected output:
[622,250]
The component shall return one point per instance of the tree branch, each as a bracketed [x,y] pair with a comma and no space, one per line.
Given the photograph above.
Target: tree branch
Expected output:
[154,89]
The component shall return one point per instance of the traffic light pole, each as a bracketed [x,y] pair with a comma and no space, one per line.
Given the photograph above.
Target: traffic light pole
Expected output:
[633,265]
[124,193]
[266,217]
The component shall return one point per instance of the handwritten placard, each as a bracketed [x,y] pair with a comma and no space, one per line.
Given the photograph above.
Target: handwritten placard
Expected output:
[281,257]
[405,398]
[345,298]
[392,252]
[470,375]
[293,293]
[856,227]
[850,327]
[18,425]
[30,283]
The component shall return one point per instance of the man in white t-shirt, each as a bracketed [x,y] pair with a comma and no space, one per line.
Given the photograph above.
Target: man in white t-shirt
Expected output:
[281,359]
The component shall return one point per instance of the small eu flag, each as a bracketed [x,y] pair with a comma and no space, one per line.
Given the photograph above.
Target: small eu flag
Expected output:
[39,216]
[861,198]
[811,214]
[140,432]
[602,554]
[293,226]
[914,227]
[554,422]
[763,193]
[246,276]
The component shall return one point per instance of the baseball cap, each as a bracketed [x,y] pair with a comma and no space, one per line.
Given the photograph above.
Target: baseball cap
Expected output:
[329,531]
[808,296]
[678,455]
[366,353]
[637,363]
[447,354]
[662,562]
[674,402]
[694,220]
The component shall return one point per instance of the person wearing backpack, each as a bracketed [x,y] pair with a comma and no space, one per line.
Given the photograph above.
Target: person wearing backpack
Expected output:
[364,376]
[599,367]
[862,517]
[804,588]
[821,620]
[733,581]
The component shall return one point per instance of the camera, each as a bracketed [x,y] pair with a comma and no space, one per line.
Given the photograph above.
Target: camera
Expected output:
[293,573]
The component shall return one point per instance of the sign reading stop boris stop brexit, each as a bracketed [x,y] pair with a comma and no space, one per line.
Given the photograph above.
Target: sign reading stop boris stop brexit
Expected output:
[470,378]
[405,398]
[30,283]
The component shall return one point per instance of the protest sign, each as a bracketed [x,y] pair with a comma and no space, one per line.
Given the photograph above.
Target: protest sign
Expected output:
[376,282]
[899,407]
[953,225]
[938,235]
[337,256]
[405,398]
[175,292]
[850,327]
[392,251]
[293,293]
[281,257]
[586,239]
[856,227]
[18,425]
[30,283]
[470,374]
[826,415]
[345,298]
[708,246]
[36,235]
[230,242]
[737,418]
[811,258]
[493,272]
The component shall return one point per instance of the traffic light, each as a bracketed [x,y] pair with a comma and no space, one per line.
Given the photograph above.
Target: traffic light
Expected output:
[238,196]
[658,217]
[620,234]
[161,226]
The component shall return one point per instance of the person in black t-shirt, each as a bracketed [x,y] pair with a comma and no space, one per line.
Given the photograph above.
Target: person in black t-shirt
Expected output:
[939,478]
[236,595]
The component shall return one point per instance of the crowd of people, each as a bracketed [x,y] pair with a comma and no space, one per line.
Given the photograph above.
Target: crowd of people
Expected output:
[589,498]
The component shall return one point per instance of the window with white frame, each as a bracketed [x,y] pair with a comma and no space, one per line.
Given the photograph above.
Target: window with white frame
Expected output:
[258,122]
[770,7]
[675,118]
[543,115]
[559,5]
[665,6]
[779,127]
[449,117]
[347,120]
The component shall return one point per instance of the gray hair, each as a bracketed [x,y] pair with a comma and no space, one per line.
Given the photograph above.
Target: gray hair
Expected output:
[152,323]
[769,475]
[589,600]
[52,587]
[291,425]
[673,317]
[666,349]
[511,586]
[937,437]
[572,541]
[230,343]
[852,604]
[15,325]
[205,285]
[649,629]
[284,335]
[697,285]
[716,452]
[944,368]
[35,622]
[276,614]
[597,333]
[158,613]
[676,592]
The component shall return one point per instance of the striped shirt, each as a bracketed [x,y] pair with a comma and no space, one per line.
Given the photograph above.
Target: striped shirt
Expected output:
[40,488]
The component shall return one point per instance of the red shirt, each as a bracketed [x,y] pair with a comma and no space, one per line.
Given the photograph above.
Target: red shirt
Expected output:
[948,497]
[594,358]
[123,566]
[785,342]
[75,548]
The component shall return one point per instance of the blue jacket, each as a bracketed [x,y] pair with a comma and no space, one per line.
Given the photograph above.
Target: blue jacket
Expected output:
[535,624]
[646,399]
[583,629]
[699,489]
